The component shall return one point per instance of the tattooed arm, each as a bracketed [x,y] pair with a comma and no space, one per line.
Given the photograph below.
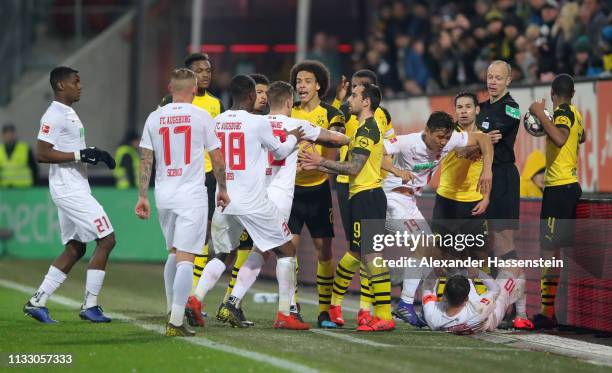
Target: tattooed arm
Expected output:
[314,161]
[143,209]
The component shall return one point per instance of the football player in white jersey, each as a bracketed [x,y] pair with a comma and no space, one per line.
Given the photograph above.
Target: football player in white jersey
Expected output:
[245,141]
[421,154]
[459,313]
[61,142]
[280,182]
[178,134]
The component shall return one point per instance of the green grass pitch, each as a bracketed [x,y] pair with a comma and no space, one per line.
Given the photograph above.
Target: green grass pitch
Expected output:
[136,291]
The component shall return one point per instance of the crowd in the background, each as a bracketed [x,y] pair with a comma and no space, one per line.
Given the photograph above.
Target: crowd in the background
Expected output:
[423,47]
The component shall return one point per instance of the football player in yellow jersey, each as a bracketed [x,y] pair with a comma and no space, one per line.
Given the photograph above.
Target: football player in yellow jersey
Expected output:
[383,119]
[312,203]
[200,64]
[564,134]
[366,200]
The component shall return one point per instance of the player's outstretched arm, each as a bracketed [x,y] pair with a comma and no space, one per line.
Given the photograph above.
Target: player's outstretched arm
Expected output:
[143,209]
[332,139]
[314,161]
[556,132]
[218,163]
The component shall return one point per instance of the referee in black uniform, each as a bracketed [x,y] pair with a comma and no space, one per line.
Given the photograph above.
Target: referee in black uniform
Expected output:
[500,117]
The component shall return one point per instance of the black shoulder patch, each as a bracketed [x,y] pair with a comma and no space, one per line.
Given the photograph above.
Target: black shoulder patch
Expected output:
[510,101]
[387,114]
[344,109]
[332,111]
[370,130]
[165,100]
[565,110]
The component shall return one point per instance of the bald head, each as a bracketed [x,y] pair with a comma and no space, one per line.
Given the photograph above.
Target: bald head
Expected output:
[498,79]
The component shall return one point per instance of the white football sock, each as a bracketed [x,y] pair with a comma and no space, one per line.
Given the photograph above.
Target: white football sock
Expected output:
[181,290]
[210,275]
[53,279]
[93,285]
[409,288]
[248,274]
[285,275]
[169,273]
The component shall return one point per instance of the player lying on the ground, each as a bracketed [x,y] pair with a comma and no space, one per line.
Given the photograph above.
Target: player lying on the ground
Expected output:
[279,182]
[178,134]
[459,314]
[61,142]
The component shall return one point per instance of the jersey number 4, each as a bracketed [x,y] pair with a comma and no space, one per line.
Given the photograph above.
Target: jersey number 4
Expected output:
[165,132]
[233,149]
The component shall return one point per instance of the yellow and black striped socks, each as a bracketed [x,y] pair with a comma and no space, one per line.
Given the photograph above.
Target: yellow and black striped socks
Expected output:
[345,270]
[381,286]
[325,279]
[366,296]
[440,288]
[296,298]
[198,266]
[548,290]
[242,254]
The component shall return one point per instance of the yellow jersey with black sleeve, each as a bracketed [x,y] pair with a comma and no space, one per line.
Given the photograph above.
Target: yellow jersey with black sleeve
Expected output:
[368,141]
[212,105]
[383,120]
[324,116]
[459,177]
[562,162]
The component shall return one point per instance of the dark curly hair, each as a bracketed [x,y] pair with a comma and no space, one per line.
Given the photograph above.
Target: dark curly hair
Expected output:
[319,70]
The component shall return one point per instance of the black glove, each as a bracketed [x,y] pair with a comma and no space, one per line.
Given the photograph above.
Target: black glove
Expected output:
[90,155]
[94,155]
[108,159]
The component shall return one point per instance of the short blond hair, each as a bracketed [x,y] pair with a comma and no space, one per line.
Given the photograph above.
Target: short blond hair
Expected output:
[503,63]
[181,79]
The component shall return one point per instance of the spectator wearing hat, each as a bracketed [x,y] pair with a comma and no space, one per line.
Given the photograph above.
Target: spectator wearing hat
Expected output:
[18,167]
[585,62]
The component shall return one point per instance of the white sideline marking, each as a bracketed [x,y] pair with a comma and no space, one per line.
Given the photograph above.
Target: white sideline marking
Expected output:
[277,362]
[349,338]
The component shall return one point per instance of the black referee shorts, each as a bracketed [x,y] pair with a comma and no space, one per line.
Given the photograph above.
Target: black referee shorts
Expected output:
[455,217]
[368,204]
[342,190]
[558,214]
[505,199]
[211,189]
[312,206]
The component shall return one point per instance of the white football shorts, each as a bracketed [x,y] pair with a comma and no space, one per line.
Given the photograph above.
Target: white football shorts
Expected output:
[267,228]
[403,214]
[82,218]
[184,229]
